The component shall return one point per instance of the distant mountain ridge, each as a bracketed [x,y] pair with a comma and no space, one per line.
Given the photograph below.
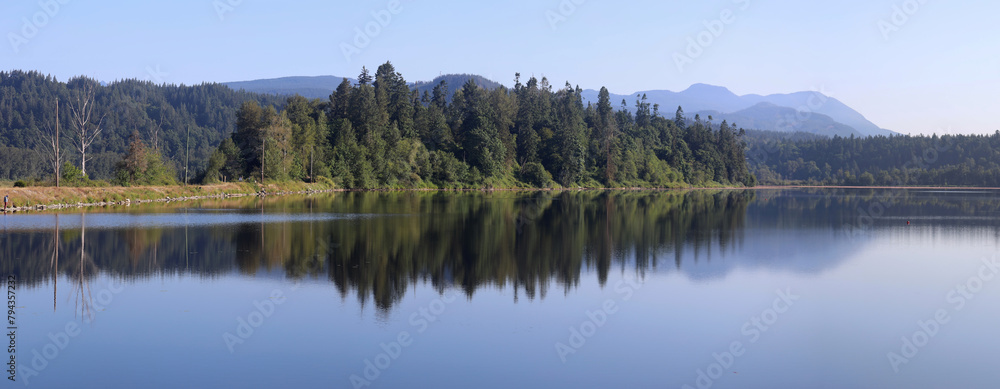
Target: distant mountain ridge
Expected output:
[812,112]
[320,87]
[772,117]
[805,111]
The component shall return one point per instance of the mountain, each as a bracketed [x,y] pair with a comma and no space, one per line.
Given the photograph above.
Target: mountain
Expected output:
[455,82]
[776,118]
[826,115]
[320,87]
[818,103]
[708,98]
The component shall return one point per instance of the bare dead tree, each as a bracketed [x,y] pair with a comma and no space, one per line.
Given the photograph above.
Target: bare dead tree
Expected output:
[50,137]
[156,132]
[83,298]
[81,114]
[54,262]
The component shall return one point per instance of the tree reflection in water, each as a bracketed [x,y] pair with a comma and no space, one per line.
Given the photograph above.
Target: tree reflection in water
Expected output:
[388,241]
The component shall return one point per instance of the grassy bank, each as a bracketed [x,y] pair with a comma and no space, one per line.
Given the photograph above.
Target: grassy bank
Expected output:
[32,197]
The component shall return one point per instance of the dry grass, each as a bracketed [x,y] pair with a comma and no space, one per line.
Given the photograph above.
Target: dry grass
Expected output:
[32,196]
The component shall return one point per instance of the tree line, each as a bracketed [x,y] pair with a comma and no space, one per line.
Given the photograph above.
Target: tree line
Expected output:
[180,123]
[947,160]
[377,132]
[380,133]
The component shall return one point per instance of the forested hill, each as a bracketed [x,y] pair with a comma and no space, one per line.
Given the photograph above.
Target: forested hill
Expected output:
[948,160]
[163,114]
[377,132]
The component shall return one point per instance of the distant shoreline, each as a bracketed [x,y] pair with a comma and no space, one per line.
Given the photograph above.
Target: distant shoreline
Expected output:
[51,198]
[876,187]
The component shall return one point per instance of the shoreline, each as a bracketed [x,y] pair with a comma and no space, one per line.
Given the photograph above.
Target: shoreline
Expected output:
[126,196]
[37,199]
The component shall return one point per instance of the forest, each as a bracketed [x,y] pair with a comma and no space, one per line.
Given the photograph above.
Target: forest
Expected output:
[375,133]
[177,122]
[379,131]
[946,160]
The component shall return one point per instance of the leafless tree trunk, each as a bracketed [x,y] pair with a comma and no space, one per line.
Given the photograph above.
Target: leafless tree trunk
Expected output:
[81,112]
[52,139]
[54,262]
[156,133]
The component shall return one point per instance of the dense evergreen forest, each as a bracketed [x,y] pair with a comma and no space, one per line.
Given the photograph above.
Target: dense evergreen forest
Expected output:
[379,131]
[375,133]
[947,160]
[162,114]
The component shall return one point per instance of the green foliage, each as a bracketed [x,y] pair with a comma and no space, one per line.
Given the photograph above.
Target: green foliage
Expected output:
[535,175]
[380,133]
[161,113]
[949,160]
[142,166]
[20,184]
[71,173]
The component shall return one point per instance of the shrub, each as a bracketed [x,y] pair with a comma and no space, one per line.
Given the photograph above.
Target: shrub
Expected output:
[20,184]
[535,175]
[71,173]
[326,181]
[142,166]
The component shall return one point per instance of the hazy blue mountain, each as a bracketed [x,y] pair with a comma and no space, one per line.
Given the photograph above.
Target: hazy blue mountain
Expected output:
[455,82]
[702,97]
[816,102]
[826,115]
[767,116]
[319,87]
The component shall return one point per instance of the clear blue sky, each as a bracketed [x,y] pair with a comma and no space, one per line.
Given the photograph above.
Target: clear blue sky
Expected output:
[938,71]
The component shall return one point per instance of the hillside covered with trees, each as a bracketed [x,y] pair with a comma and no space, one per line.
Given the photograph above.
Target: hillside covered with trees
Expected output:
[376,133]
[161,114]
[947,160]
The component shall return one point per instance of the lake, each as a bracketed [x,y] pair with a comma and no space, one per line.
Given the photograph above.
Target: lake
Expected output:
[797,288]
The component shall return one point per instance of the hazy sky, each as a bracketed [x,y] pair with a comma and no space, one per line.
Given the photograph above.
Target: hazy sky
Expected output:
[929,67]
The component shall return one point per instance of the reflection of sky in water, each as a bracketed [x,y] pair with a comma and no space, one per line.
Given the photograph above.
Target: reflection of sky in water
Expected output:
[859,294]
[193,219]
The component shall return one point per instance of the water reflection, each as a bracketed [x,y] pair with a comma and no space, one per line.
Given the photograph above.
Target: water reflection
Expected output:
[378,245]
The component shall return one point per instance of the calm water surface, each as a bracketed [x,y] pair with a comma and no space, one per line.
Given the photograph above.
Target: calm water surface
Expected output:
[728,289]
